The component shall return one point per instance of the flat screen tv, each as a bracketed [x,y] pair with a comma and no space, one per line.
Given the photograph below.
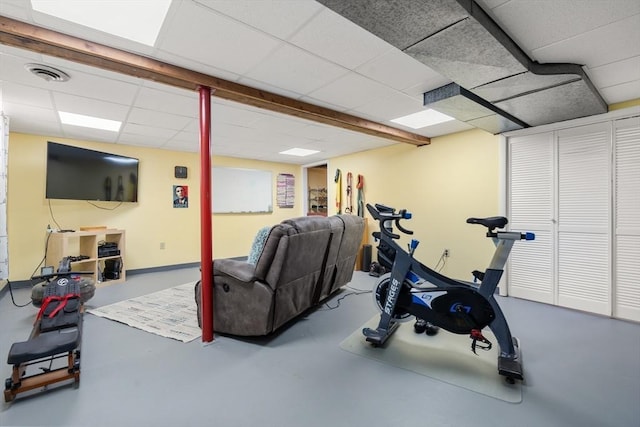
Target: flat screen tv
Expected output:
[80,174]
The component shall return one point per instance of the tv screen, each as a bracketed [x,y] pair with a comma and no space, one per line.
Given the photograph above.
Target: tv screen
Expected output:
[81,174]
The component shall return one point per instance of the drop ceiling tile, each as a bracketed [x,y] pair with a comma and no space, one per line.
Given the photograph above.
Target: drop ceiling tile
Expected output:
[156,135]
[87,33]
[27,95]
[324,104]
[615,73]
[31,119]
[214,39]
[621,92]
[190,64]
[295,70]
[82,133]
[445,128]
[280,18]
[351,90]
[256,84]
[157,119]
[233,115]
[390,106]
[140,139]
[166,102]
[601,46]
[327,30]
[89,107]
[533,26]
[18,9]
[398,70]
[98,88]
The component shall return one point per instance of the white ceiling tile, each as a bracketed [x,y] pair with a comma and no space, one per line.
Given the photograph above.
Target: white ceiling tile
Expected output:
[190,64]
[534,24]
[89,107]
[280,18]
[157,119]
[351,90]
[182,105]
[328,30]
[390,106]
[398,70]
[26,94]
[268,87]
[621,92]
[152,132]
[82,133]
[18,9]
[615,73]
[23,118]
[140,139]
[324,104]
[443,128]
[603,45]
[232,115]
[87,33]
[298,71]
[214,39]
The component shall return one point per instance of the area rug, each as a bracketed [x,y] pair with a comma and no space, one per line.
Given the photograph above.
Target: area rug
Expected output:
[445,357]
[169,313]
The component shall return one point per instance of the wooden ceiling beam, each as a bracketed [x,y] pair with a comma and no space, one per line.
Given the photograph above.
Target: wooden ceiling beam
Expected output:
[48,42]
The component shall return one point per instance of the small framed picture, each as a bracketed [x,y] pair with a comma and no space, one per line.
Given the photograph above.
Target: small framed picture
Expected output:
[180,196]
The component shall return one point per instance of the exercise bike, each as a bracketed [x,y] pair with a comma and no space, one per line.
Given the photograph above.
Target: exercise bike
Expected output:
[436,301]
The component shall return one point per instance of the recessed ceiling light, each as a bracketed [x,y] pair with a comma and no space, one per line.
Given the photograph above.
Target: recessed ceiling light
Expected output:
[137,20]
[423,119]
[89,121]
[300,152]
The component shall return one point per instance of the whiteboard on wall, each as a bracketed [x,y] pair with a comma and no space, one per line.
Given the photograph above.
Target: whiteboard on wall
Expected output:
[236,190]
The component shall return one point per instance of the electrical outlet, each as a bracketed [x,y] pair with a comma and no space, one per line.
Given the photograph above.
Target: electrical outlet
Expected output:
[447,253]
[161,245]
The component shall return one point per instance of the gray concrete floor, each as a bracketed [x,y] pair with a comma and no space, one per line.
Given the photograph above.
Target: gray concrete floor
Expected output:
[580,369]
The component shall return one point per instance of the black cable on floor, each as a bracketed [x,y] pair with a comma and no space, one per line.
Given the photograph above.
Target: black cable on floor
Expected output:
[357,292]
[13,299]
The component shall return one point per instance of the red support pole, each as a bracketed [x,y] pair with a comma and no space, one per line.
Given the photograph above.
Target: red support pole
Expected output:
[206,233]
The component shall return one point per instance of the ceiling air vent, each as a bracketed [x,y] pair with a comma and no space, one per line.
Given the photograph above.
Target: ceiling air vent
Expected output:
[47,73]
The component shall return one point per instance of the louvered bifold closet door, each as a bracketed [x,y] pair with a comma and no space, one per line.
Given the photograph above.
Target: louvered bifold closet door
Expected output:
[627,219]
[530,272]
[584,205]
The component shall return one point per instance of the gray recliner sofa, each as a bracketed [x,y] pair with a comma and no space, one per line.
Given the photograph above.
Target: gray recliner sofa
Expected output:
[304,260]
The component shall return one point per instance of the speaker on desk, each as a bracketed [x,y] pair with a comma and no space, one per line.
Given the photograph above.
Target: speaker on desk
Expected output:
[366,257]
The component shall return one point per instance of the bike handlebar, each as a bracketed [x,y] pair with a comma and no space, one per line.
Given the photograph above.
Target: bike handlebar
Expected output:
[383,213]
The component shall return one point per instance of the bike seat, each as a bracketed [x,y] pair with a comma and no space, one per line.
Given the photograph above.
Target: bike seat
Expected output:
[490,222]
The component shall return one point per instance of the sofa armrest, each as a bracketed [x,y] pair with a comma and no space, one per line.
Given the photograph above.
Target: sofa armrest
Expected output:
[240,270]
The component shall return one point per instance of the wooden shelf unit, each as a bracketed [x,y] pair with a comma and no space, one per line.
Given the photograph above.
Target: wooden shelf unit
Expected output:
[86,243]
[317,201]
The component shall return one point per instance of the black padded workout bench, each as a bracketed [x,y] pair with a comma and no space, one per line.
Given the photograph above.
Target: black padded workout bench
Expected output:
[56,335]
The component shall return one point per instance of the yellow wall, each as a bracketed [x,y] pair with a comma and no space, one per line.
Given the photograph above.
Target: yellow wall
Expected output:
[626,104]
[441,184]
[147,223]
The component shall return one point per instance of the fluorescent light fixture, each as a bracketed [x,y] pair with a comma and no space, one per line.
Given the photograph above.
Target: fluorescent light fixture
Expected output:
[300,152]
[137,20]
[423,119]
[89,122]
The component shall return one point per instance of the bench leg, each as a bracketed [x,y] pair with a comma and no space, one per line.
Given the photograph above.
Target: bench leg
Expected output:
[18,383]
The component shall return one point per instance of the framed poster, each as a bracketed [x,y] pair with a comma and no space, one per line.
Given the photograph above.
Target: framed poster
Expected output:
[180,196]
